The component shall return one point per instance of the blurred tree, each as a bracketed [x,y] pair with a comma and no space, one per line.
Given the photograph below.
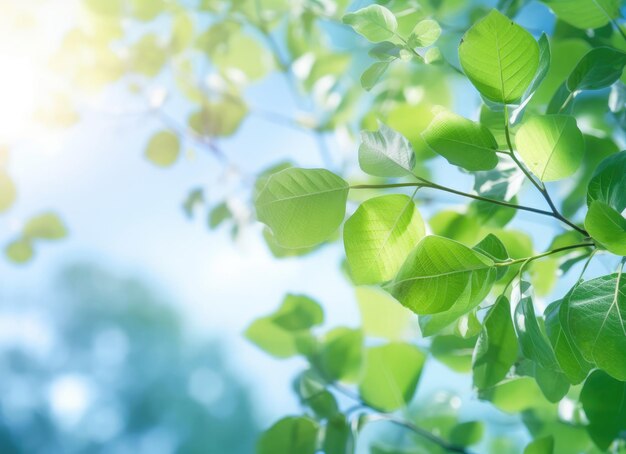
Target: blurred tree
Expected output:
[120,376]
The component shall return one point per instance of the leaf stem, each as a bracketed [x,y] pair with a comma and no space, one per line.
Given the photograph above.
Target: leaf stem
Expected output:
[544,254]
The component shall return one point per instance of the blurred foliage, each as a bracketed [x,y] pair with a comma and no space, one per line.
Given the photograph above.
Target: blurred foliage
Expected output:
[112,370]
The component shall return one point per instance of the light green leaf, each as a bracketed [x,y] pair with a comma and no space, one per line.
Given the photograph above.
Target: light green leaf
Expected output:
[596,317]
[496,348]
[462,142]
[385,153]
[219,213]
[374,22]
[436,274]
[599,68]
[608,183]
[585,13]
[288,436]
[379,236]
[7,192]
[298,312]
[492,247]
[514,395]
[381,315]
[341,354]
[543,445]
[604,401]
[163,149]
[391,374]
[218,119]
[607,227]
[45,226]
[274,340]
[573,365]
[372,75]
[534,343]
[551,146]
[311,389]
[303,207]
[19,251]
[385,51]
[499,57]
[467,433]
[453,351]
[425,33]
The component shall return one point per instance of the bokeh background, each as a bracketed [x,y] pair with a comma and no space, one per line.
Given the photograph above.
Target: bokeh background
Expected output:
[127,335]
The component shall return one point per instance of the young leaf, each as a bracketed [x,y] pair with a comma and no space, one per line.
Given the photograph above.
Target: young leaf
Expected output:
[45,226]
[381,315]
[391,375]
[585,13]
[453,351]
[379,236]
[534,343]
[7,191]
[596,317]
[551,146]
[372,75]
[608,183]
[298,312]
[425,33]
[437,272]
[19,251]
[571,362]
[604,401]
[467,433]
[599,68]
[496,348]
[607,227]
[462,142]
[374,22]
[514,395]
[542,445]
[289,435]
[385,153]
[499,57]
[341,354]
[303,207]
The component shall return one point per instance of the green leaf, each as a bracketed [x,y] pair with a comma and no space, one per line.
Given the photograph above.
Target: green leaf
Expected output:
[573,365]
[341,354]
[385,51]
[385,153]
[303,207]
[372,75]
[543,445]
[604,400]
[607,227]
[453,351]
[194,199]
[298,312]
[462,142]
[437,272]
[551,146]
[338,436]
[218,119]
[163,149]
[599,68]
[219,213]
[585,13]
[391,374]
[425,33]
[379,236]
[499,57]
[534,343]
[554,385]
[496,348]
[375,22]
[514,395]
[467,433]
[312,391]
[596,317]
[274,340]
[19,251]
[492,247]
[381,315]
[608,183]
[45,226]
[288,436]
[7,192]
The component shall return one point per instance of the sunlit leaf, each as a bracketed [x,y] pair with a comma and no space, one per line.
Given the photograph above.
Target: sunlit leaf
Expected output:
[379,236]
[499,57]
[303,207]
[163,149]
[597,69]
[385,153]
[585,13]
[374,22]
[288,436]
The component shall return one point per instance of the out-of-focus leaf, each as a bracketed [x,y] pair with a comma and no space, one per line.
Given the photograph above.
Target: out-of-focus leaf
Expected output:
[288,436]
